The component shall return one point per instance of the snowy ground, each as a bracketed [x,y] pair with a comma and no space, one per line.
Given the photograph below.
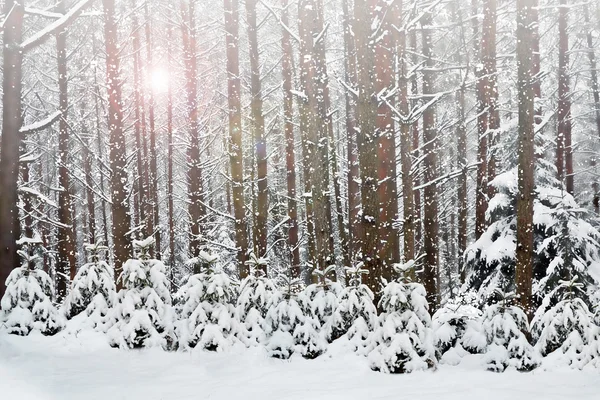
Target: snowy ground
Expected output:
[65,367]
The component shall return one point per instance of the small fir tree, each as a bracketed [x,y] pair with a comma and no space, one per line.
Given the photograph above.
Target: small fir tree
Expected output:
[205,306]
[27,303]
[93,289]
[143,315]
[403,341]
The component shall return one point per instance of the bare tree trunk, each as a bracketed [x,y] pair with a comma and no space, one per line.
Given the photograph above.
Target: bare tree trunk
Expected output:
[526,66]
[140,198]
[408,225]
[11,140]
[430,201]
[235,131]
[195,208]
[153,215]
[564,153]
[351,125]
[389,249]
[66,267]
[596,94]
[488,58]
[314,125]
[170,144]
[121,218]
[416,148]
[258,127]
[366,109]
[290,157]
[89,182]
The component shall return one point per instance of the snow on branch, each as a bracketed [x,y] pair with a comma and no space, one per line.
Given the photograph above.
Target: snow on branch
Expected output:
[39,125]
[55,26]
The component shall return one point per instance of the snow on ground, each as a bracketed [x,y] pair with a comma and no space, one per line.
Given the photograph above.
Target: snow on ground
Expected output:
[79,367]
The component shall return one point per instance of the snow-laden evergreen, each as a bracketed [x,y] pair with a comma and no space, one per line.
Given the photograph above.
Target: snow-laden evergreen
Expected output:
[563,240]
[288,328]
[505,327]
[457,330]
[568,326]
[403,341]
[27,303]
[205,305]
[143,315]
[93,289]
[320,301]
[256,292]
[356,314]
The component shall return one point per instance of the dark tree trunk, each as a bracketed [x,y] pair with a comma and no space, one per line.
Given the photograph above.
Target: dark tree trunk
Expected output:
[66,267]
[121,218]
[11,140]
[290,157]
[235,131]
[430,201]
[258,134]
[564,153]
[526,66]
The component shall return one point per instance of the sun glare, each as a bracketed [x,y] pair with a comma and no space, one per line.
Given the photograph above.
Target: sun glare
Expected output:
[159,80]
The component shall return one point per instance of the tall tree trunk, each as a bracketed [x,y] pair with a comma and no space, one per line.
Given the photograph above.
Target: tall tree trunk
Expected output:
[351,125]
[290,157]
[66,267]
[153,214]
[564,153]
[389,249]
[11,140]
[121,218]
[235,131]
[418,222]
[366,110]
[139,200]
[524,254]
[430,201]
[195,208]
[258,128]
[488,58]
[314,124]
[596,94]
[170,144]
[408,224]
[481,199]
[89,184]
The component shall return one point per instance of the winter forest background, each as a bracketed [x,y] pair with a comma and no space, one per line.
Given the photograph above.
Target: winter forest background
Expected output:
[417,178]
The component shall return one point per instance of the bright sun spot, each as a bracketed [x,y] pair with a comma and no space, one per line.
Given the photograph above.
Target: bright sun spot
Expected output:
[159,80]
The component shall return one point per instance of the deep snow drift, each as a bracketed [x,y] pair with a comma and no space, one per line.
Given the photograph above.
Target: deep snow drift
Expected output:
[81,365]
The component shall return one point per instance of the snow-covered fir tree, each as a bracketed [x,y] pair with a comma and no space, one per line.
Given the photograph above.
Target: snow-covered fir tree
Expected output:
[143,315]
[320,300]
[27,303]
[506,329]
[356,314]
[563,238]
[205,304]
[457,329]
[403,341]
[256,292]
[288,328]
[568,326]
[93,289]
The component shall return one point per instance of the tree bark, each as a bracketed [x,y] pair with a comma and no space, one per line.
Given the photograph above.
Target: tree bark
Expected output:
[258,127]
[121,218]
[430,201]
[288,127]
[389,249]
[526,66]
[596,95]
[235,132]
[564,154]
[11,140]
[66,266]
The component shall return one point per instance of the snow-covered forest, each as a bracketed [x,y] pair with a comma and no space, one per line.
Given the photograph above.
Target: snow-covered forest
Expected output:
[404,185]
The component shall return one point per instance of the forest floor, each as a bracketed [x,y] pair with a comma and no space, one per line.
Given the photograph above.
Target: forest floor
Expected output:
[82,366]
